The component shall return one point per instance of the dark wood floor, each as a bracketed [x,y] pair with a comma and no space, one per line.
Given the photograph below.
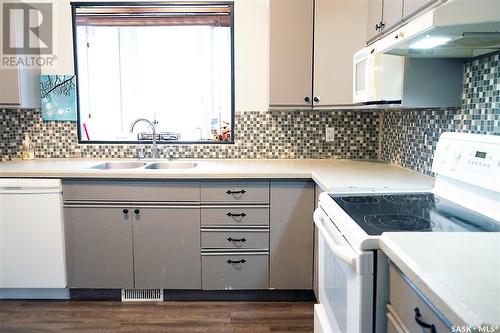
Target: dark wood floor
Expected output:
[183,317]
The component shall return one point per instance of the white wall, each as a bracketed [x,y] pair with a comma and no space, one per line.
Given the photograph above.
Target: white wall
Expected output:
[251,50]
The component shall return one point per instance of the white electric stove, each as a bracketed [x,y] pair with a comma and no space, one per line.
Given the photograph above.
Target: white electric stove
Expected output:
[465,198]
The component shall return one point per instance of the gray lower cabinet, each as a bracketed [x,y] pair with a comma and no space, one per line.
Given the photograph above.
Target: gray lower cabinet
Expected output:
[239,270]
[235,239]
[99,247]
[167,247]
[252,234]
[235,216]
[131,190]
[133,247]
[408,310]
[235,191]
[291,234]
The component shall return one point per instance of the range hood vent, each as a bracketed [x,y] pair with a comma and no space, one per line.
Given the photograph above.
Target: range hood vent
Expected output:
[483,40]
[455,29]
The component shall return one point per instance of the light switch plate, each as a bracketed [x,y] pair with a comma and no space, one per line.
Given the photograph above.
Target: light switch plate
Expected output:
[330,134]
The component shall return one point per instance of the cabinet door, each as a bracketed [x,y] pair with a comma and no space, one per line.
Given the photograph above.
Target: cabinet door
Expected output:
[374,18]
[167,248]
[291,234]
[291,42]
[393,13]
[9,87]
[334,47]
[413,6]
[19,85]
[99,247]
[29,88]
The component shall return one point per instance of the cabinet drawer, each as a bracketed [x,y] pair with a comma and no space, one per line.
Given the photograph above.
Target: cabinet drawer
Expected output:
[235,191]
[235,271]
[235,216]
[156,191]
[404,299]
[235,239]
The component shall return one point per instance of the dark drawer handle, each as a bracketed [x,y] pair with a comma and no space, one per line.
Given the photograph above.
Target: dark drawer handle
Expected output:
[242,261]
[236,215]
[237,239]
[418,319]
[125,211]
[229,192]
[136,211]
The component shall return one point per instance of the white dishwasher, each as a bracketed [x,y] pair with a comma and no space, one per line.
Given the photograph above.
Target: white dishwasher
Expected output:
[32,261]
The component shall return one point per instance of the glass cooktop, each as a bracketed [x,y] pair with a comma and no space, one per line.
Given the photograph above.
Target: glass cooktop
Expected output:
[376,214]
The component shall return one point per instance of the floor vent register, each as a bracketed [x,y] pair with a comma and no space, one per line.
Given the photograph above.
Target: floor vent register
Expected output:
[142,295]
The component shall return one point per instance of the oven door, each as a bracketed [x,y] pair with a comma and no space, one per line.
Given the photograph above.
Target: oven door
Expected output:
[345,282]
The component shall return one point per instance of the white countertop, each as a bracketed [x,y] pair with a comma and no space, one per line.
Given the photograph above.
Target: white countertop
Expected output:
[329,174]
[458,272]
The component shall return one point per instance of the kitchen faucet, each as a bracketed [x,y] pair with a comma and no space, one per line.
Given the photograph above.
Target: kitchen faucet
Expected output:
[154,148]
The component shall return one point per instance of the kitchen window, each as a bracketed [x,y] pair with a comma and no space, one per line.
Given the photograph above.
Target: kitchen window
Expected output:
[171,63]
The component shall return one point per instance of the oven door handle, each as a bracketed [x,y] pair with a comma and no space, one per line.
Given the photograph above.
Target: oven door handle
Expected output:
[342,252]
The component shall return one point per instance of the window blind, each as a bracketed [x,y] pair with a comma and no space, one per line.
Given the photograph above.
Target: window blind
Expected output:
[164,15]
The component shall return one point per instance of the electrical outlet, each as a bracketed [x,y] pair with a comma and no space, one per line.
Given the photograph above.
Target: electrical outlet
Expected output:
[330,134]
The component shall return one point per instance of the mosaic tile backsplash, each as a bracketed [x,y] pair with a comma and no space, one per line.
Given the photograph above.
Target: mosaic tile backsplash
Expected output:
[409,137]
[283,134]
[404,137]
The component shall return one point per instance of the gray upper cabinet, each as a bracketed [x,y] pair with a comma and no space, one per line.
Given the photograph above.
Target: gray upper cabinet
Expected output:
[337,36]
[386,15]
[383,15]
[291,234]
[99,247]
[167,247]
[19,88]
[291,35]
[305,77]
[374,21]
[392,14]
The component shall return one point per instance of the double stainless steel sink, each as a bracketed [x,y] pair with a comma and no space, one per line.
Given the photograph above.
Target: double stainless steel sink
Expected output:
[172,165]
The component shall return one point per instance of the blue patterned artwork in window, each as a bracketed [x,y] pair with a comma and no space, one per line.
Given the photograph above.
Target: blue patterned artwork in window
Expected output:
[58,94]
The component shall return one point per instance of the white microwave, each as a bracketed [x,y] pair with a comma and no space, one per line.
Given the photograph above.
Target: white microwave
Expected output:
[377,77]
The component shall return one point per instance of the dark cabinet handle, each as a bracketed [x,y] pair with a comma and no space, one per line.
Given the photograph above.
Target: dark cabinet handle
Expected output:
[380,26]
[136,211]
[418,319]
[243,240]
[229,192]
[242,261]
[307,99]
[125,211]
[316,99]
[236,215]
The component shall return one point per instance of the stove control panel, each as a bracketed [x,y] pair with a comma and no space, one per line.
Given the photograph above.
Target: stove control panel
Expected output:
[470,158]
